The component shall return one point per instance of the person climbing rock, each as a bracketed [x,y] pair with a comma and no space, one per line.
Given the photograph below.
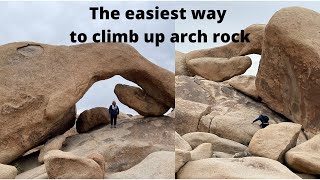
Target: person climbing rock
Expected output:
[113,111]
[264,120]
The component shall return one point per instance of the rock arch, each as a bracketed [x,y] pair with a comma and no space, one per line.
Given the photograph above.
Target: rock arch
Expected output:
[40,87]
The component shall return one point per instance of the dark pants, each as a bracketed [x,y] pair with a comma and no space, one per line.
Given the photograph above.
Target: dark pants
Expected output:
[113,120]
[263,125]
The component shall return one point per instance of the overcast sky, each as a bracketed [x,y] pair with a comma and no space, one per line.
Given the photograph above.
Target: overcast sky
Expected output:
[52,22]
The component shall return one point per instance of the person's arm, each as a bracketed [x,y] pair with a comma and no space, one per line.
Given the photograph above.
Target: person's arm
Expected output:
[256,120]
[110,110]
[118,110]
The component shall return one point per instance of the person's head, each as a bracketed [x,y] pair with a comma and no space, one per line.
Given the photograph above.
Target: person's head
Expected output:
[114,103]
[261,112]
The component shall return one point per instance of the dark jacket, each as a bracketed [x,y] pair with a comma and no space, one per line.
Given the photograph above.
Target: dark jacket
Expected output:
[263,119]
[115,111]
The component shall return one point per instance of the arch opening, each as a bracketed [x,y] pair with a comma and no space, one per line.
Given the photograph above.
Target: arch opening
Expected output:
[101,94]
[253,70]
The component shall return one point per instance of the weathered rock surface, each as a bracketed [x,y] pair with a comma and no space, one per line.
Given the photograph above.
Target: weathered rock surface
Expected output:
[138,100]
[65,165]
[188,89]
[122,148]
[234,49]
[202,151]
[127,145]
[157,165]
[98,158]
[181,65]
[231,112]
[122,115]
[181,144]
[8,172]
[55,143]
[218,144]
[237,120]
[245,84]
[239,168]
[275,140]
[218,154]
[41,84]
[181,158]
[219,69]
[289,70]
[91,118]
[305,157]
[241,154]
[188,114]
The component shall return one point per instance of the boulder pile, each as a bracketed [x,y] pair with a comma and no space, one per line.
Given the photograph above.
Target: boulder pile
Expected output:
[216,104]
[138,143]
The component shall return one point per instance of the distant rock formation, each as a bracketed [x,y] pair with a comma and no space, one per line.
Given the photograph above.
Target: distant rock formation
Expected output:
[219,69]
[221,63]
[234,49]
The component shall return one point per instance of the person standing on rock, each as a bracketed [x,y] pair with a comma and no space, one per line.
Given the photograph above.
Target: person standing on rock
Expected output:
[113,111]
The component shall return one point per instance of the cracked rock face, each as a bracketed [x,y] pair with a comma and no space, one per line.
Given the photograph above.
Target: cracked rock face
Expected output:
[40,84]
[231,112]
[218,144]
[188,114]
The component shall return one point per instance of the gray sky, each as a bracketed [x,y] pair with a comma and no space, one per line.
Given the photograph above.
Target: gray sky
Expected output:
[52,22]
